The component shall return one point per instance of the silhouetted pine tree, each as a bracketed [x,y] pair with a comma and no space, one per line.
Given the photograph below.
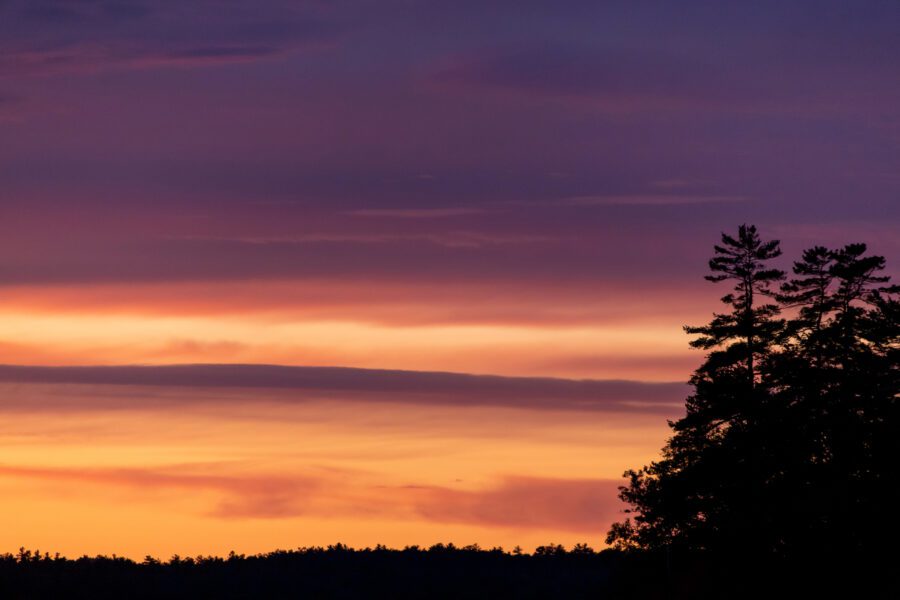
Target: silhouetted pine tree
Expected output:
[746,331]
[838,375]
[789,442]
[703,490]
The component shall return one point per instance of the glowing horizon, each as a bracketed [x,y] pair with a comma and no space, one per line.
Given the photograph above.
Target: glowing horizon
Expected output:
[123,468]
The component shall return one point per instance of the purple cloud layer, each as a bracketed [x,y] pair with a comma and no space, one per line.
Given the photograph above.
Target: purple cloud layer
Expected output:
[47,37]
[427,388]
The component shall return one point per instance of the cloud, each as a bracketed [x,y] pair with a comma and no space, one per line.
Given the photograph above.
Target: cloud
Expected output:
[578,505]
[627,365]
[240,496]
[416,213]
[49,12]
[633,79]
[394,303]
[369,385]
[52,37]
[649,200]
[748,74]
[91,57]
[582,505]
[448,239]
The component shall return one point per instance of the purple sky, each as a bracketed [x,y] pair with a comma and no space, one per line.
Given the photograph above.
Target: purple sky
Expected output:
[214,140]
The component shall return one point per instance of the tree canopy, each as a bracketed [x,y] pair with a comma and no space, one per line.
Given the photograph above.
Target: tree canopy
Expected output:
[789,440]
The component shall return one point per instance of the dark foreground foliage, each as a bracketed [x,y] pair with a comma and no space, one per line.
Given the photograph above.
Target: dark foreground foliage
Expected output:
[334,572]
[788,450]
[340,572]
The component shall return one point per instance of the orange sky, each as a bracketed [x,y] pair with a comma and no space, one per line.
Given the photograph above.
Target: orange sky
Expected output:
[593,333]
[164,470]
[159,469]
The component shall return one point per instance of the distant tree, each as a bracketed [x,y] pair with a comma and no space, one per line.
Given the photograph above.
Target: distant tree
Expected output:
[581,548]
[550,550]
[790,438]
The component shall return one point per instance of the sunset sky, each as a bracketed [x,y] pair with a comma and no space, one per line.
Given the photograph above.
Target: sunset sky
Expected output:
[495,216]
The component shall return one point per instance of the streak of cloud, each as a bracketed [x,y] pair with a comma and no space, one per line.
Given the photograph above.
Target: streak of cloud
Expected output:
[577,505]
[422,388]
[416,213]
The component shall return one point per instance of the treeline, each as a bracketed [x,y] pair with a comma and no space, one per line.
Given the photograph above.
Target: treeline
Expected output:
[439,572]
[25,555]
[337,571]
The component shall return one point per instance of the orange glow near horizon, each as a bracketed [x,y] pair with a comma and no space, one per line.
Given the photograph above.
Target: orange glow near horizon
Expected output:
[253,473]
[160,470]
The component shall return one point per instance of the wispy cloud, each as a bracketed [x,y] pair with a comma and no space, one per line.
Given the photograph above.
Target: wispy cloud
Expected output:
[92,57]
[449,239]
[609,77]
[650,200]
[62,37]
[659,77]
[256,496]
[527,502]
[512,501]
[417,213]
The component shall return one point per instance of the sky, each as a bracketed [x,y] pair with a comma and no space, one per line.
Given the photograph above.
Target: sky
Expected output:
[493,216]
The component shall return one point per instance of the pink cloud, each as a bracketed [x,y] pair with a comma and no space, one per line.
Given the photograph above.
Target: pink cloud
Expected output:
[257,496]
[577,505]
[528,502]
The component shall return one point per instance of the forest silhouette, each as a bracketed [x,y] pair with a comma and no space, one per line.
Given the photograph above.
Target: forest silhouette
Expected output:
[789,443]
[783,469]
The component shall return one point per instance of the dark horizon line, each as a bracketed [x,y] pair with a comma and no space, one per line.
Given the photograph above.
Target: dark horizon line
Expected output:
[23,554]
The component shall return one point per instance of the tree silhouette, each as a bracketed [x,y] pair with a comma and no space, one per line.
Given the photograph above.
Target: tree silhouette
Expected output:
[789,441]
[839,373]
[749,326]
